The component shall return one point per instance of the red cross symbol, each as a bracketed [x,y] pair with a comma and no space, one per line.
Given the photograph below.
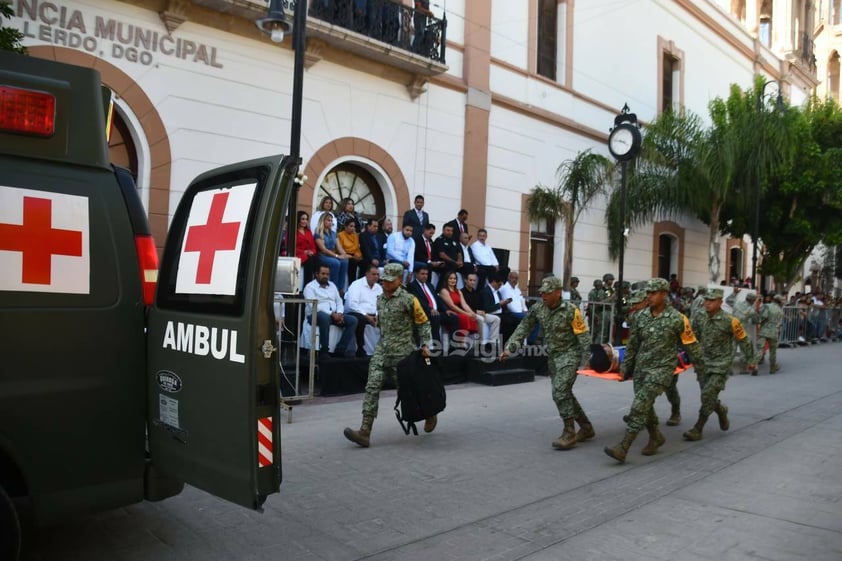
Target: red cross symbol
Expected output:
[211,237]
[38,240]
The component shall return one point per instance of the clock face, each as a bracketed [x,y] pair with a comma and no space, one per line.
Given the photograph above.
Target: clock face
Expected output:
[624,141]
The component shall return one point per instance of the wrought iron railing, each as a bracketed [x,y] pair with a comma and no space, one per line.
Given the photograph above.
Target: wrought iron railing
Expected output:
[807,50]
[387,21]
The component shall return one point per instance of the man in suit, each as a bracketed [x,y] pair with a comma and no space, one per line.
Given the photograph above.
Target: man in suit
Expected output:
[469,264]
[432,304]
[474,299]
[494,303]
[425,253]
[416,217]
[460,225]
[373,251]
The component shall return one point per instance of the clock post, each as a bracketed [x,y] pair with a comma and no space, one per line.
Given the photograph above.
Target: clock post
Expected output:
[624,144]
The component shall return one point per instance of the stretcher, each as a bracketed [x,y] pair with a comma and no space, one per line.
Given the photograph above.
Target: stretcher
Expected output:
[613,373]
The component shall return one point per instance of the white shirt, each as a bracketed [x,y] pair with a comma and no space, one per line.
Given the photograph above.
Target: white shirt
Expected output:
[484,255]
[328,297]
[466,255]
[400,248]
[496,295]
[431,300]
[518,303]
[361,298]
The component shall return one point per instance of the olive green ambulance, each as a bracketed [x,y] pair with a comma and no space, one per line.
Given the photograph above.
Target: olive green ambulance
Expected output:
[121,380]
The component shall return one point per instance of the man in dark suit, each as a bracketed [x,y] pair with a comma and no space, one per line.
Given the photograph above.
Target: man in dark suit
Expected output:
[459,225]
[416,217]
[425,253]
[494,304]
[373,252]
[469,264]
[433,306]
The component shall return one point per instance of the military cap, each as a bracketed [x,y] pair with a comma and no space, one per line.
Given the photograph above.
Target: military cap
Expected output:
[657,285]
[550,284]
[714,293]
[597,283]
[607,277]
[626,284]
[637,297]
[778,298]
[574,279]
[701,289]
[392,271]
[751,297]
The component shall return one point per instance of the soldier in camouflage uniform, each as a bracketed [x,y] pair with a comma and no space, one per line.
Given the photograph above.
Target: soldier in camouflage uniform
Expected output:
[567,343]
[746,312]
[771,317]
[651,353]
[400,317]
[698,304]
[595,296]
[575,297]
[717,330]
[609,299]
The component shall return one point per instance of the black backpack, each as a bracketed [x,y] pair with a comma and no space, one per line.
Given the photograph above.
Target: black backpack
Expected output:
[420,391]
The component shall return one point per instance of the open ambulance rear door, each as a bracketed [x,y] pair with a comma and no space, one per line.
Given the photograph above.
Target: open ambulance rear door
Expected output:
[212,374]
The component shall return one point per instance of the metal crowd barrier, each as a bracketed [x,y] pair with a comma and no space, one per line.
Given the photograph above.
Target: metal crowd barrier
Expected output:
[793,326]
[289,314]
[600,318]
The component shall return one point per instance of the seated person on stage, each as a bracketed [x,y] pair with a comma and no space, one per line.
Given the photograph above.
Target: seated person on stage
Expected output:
[400,248]
[494,304]
[439,315]
[361,302]
[371,246]
[329,311]
[455,302]
[468,264]
[484,257]
[350,242]
[331,252]
[473,297]
[425,254]
[447,249]
[516,306]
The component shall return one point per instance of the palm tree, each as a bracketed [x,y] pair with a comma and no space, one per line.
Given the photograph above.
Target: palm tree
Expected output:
[688,168]
[578,181]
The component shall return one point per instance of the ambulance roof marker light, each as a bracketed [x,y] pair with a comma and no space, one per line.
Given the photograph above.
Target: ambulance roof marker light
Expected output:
[28,112]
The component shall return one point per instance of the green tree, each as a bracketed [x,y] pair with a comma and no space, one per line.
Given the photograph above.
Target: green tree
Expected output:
[687,168]
[10,38]
[578,181]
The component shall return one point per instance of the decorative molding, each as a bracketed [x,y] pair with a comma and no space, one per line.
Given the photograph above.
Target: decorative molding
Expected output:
[313,52]
[417,86]
[175,14]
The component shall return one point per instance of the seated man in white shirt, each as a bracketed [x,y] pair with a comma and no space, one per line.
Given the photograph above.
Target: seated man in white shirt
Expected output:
[329,311]
[516,306]
[361,302]
[484,257]
[400,248]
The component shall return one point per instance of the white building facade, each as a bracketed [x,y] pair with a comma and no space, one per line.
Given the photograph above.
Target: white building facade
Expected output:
[523,86]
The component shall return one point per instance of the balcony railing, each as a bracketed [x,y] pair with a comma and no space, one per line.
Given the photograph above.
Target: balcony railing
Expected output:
[387,21]
[807,51]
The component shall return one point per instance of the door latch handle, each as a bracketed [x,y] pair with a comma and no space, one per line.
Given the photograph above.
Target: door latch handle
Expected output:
[268,348]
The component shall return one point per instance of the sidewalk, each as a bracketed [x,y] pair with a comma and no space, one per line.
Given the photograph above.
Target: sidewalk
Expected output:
[488,485]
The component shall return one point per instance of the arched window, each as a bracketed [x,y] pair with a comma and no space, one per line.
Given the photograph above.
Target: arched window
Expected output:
[121,145]
[833,76]
[348,180]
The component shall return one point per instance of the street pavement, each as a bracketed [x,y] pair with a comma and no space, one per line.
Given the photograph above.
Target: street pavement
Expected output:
[487,485]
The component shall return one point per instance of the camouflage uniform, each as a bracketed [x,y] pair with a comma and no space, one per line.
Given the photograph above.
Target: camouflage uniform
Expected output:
[651,353]
[717,334]
[698,304]
[575,296]
[595,297]
[568,346]
[399,317]
[771,317]
[747,314]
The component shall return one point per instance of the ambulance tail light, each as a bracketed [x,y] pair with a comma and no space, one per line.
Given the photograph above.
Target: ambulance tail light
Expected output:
[147,256]
[27,111]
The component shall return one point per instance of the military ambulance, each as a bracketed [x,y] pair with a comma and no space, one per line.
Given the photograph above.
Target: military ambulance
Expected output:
[120,381]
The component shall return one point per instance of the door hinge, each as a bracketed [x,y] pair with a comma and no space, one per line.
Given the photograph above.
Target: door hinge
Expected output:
[268,348]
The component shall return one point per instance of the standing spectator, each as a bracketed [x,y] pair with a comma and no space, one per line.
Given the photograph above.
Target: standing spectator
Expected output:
[347,214]
[455,302]
[473,298]
[575,297]
[329,311]
[437,312]
[419,22]
[771,317]
[458,226]
[468,264]
[402,322]
[566,337]
[349,240]
[447,250]
[484,257]
[718,330]
[305,247]
[417,217]
[331,253]
[361,302]
[651,354]
[370,246]
[400,248]
[325,206]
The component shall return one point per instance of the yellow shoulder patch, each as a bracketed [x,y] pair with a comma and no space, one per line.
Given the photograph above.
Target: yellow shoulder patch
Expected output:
[418,312]
[737,328]
[687,336]
[579,326]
